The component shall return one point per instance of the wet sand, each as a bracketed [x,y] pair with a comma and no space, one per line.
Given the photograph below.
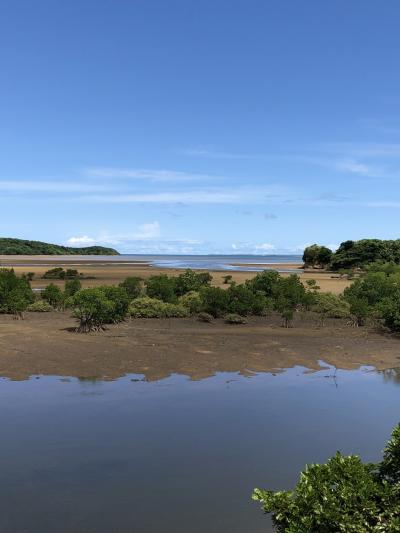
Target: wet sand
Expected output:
[113,271]
[46,344]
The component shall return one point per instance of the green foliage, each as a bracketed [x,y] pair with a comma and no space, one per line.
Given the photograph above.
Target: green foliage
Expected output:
[120,303]
[23,247]
[215,301]
[146,307]
[331,306]
[192,301]
[375,294]
[358,254]
[60,273]
[54,273]
[72,286]
[389,310]
[15,293]
[289,295]
[227,279]
[265,282]
[233,318]
[162,287]
[389,468]
[342,496]
[40,306]
[243,301]
[190,281]
[132,286]
[317,256]
[92,308]
[53,295]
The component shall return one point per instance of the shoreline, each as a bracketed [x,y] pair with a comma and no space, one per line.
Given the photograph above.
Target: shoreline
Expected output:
[111,272]
[46,344]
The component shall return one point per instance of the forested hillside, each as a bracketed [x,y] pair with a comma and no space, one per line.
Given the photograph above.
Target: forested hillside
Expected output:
[10,246]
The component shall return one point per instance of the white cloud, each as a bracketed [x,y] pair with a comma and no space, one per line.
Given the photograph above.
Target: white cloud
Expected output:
[264,247]
[84,239]
[24,186]
[237,195]
[145,174]
[147,231]
[200,151]
[355,167]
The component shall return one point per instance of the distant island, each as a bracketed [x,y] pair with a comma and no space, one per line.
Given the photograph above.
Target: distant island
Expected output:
[10,246]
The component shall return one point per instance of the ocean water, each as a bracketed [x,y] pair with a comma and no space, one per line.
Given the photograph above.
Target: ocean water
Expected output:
[246,263]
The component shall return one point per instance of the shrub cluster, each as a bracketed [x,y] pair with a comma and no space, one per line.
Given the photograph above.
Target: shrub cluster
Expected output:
[98,306]
[343,495]
[146,307]
[376,294]
[60,273]
[15,293]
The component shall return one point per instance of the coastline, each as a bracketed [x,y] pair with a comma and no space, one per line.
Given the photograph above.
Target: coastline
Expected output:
[106,271]
[46,344]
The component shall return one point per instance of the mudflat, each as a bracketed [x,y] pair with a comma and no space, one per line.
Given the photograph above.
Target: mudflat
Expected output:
[111,271]
[46,344]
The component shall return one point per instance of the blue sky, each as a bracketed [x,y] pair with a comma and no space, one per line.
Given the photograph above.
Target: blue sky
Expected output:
[216,126]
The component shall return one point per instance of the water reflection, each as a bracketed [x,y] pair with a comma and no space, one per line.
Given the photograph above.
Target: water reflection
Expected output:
[391,374]
[177,455]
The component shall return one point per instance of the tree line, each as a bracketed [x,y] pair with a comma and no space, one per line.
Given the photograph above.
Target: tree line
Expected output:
[10,246]
[372,298]
[353,254]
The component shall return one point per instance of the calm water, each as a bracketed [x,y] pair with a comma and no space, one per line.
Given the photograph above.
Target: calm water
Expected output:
[248,263]
[176,456]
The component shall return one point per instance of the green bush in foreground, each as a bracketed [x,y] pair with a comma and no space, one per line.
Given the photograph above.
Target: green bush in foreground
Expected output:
[40,306]
[146,307]
[342,496]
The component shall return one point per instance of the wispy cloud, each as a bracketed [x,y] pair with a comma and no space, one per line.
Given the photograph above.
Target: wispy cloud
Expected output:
[25,186]
[201,151]
[145,174]
[239,195]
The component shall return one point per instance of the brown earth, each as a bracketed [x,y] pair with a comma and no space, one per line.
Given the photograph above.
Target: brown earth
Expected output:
[46,344]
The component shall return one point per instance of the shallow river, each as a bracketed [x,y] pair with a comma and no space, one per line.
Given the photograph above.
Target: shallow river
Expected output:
[176,456]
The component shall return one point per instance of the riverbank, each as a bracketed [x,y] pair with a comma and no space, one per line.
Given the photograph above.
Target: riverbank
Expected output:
[111,271]
[46,344]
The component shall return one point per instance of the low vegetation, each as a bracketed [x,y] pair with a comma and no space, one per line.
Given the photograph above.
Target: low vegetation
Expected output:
[372,298]
[60,273]
[146,307]
[344,495]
